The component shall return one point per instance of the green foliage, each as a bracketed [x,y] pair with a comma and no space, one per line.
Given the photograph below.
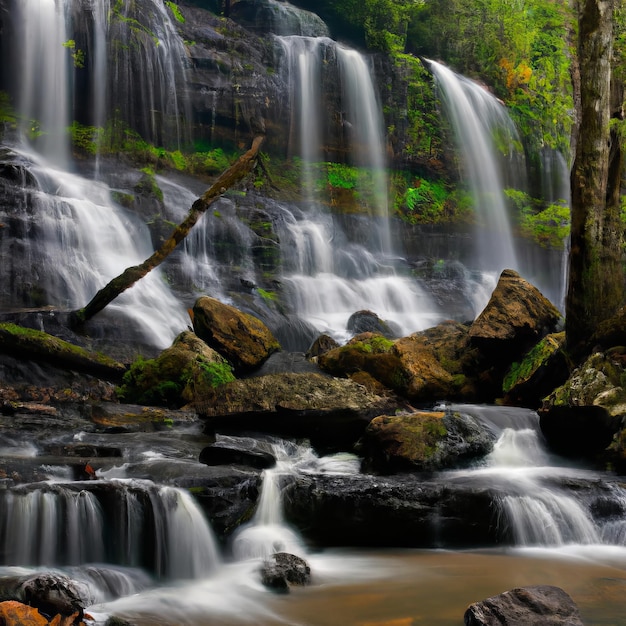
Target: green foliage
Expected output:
[342,176]
[546,225]
[270,296]
[78,56]
[427,200]
[175,9]
[7,114]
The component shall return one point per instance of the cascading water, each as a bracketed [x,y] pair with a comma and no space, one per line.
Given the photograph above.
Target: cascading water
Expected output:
[477,118]
[124,523]
[329,276]
[536,505]
[80,238]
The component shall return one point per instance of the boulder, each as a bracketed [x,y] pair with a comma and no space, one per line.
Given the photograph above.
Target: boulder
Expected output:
[176,375]
[541,370]
[581,417]
[331,412]
[281,570]
[240,338]
[369,322]
[426,366]
[392,511]
[543,605]
[423,441]
[516,317]
[54,594]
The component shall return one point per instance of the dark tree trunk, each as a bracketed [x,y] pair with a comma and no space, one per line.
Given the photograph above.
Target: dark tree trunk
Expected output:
[595,290]
[131,275]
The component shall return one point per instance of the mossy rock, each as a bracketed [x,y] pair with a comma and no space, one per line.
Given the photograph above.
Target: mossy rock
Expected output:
[422,441]
[188,368]
[242,339]
[543,368]
[27,343]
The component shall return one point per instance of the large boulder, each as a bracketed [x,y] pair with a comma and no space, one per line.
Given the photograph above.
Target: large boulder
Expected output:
[542,605]
[176,375]
[581,417]
[368,322]
[516,317]
[242,339]
[423,441]
[331,412]
[433,364]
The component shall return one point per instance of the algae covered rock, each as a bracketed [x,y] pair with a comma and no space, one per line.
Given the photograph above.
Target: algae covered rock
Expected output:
[240,338]
[542,369]
[177,375]
[422,441]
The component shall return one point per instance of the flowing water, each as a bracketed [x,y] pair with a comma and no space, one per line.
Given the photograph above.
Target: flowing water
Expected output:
[478,119]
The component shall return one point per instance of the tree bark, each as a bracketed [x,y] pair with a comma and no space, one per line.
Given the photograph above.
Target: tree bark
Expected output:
[131,275]
[595,289]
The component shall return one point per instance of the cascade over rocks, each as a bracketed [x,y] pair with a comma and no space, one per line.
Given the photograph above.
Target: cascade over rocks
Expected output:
[542,605]
[240,338]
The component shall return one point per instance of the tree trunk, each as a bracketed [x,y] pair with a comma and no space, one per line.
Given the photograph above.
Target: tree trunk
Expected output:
[131,275]
[595,290]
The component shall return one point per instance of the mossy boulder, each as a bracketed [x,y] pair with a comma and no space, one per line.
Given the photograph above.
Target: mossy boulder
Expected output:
[582,417]
[516,317]
[426,366]
[542,369]
[177,376]
[422,441]
[242,339]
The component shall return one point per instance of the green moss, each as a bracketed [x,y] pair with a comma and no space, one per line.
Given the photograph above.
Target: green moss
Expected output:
[270,296]
[523,370]
[175,9]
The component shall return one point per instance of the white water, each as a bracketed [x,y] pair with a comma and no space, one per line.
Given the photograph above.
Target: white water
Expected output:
[476,116]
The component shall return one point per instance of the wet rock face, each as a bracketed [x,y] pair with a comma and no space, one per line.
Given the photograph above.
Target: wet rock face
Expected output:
[543,605]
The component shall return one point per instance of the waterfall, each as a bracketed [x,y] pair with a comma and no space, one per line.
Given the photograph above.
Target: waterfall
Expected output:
[478,119]
[536,504]
[45,61]
[126,523]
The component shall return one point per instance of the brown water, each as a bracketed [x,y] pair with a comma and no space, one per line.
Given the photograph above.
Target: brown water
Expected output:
[404,588]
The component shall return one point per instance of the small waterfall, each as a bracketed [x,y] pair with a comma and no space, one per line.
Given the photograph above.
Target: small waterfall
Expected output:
[478,119]
[267,533]
[328,277]
[128,523]
[536,505]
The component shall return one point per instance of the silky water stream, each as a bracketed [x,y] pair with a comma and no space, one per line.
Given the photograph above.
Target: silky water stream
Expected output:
[146,552]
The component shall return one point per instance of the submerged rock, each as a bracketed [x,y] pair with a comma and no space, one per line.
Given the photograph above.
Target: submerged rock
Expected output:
[281,570]
[242,339]
[543,605]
